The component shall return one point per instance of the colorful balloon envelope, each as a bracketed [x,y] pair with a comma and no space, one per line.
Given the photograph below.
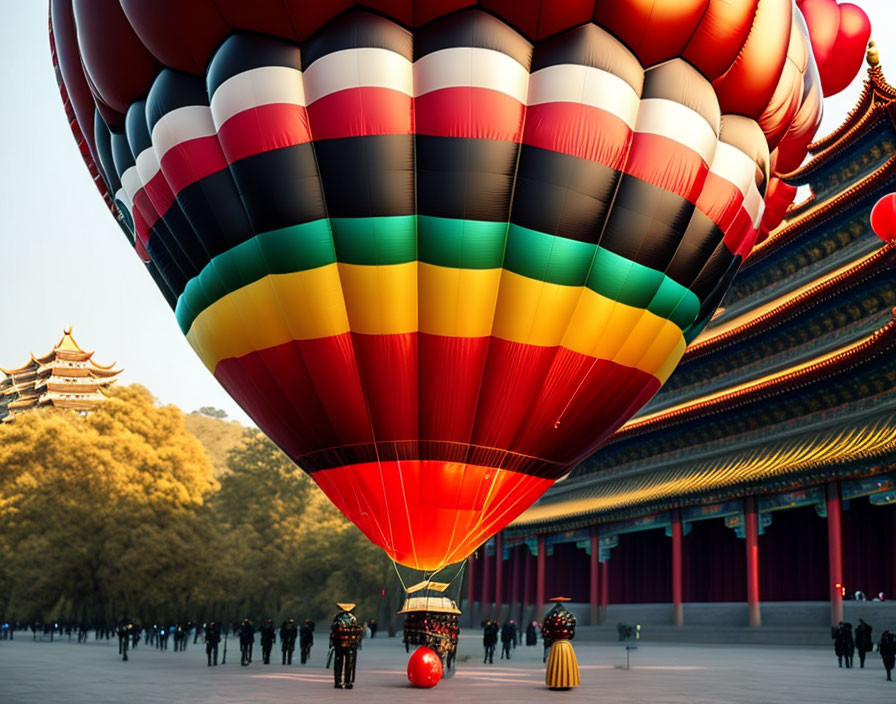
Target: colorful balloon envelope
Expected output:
[439,251]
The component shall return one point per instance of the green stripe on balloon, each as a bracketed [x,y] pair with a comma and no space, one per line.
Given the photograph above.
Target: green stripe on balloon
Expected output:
[466,244]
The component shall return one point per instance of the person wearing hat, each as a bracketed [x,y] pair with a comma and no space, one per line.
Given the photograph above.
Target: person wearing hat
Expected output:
[345,636]
[559,628]
[267,640]
[288,631]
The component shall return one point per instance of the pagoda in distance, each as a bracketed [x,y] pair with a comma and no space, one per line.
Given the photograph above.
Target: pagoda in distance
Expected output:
[66,377]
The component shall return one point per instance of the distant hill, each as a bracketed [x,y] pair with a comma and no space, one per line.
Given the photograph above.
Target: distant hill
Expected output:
[218,437]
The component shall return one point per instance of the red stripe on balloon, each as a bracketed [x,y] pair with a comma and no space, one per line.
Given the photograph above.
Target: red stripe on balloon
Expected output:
[579,130]
[474,113]
[668,164]
[264,128]
[361,112]
[188,162]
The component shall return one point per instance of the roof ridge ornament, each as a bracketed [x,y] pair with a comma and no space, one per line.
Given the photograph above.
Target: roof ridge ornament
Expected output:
[872,56]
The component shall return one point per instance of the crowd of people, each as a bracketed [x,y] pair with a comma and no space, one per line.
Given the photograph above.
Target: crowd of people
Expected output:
[847,642]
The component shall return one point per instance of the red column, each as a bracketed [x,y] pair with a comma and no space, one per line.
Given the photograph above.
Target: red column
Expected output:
[471,587]
[835,552]
[595,577]
[604,589]
[527,581]
[751,529]
[677,605]
[485,603]
[539,580]
[515,580]
[499,574]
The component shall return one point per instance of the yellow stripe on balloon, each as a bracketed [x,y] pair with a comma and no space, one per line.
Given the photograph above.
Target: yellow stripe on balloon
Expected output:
[269,312]
[401,298]
[380,300]
[457,302]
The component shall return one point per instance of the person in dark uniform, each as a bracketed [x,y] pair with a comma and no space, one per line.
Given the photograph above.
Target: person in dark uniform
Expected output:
[887,650]
[212,638]
[267,640]
[288,633]
[345,636]
[306,639]
[247,640]
[125,630]
[532,633]
[508,638]
[489,639]
[373,626]
[864,644]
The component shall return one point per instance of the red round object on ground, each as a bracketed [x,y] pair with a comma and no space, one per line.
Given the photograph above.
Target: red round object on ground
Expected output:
[883,218]
[424,668]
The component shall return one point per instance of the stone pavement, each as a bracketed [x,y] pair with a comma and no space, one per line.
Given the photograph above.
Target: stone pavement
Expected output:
[660,674]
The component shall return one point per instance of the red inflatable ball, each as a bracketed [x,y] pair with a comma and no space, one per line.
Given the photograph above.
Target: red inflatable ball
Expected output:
[424,668]
[839,34]
[883,218]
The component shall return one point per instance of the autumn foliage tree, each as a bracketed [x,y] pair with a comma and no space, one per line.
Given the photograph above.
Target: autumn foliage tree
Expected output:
[118,514]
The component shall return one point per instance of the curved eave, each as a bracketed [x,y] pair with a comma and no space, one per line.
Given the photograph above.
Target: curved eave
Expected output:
[876,88]
[876,114]
[822,212]
[786,307]
[768,385]
[724,471]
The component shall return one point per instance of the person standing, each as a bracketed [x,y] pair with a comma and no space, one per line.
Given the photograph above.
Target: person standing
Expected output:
[267,640]
[345,636]
[489,639]
[125,629]
[887,650]
[247,640]
[212,639]
[849,644]
[838,633]
[507,639]
[288,633]
[532,633]
[306,639]
[559,628]
[864,644]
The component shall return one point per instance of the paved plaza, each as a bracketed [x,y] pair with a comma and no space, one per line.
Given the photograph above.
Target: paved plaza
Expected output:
[68,672]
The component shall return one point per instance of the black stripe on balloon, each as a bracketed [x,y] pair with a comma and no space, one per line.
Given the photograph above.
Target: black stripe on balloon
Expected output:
[122,156]
[589,45]
[281,188]
[562,195]
[167,293]
[472,28]
[103,138]
[713,298]
[357,28]
[136,129]
[215,214]
[243,52]
[713,272]
[646,223]
[172,90]
[461,178]
[168,266]
[700,242]
[367,176]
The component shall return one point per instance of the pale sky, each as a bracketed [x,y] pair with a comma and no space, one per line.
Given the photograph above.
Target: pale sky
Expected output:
[64,259]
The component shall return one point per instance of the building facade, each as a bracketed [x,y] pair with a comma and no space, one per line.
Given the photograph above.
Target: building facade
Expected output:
[765,469]
[65,377]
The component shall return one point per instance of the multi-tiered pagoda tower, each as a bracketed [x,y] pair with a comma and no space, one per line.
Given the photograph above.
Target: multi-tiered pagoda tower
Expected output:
[764,472]
[66,377]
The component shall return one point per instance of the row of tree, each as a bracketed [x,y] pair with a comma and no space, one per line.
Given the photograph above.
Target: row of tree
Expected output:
[118,514]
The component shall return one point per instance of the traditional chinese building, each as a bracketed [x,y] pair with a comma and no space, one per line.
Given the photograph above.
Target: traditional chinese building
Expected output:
[765,470]
[66,377]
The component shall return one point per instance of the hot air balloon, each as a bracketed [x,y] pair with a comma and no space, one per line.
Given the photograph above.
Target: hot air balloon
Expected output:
[438,250]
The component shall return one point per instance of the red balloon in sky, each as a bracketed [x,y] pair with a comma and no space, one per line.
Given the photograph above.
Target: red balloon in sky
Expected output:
[839,36]
[424,668]
[883,218]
